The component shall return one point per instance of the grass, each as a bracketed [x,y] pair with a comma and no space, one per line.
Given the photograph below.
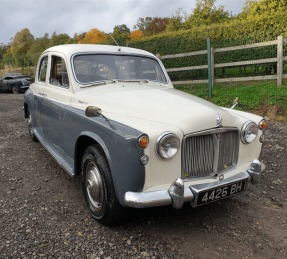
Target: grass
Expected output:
[257,97]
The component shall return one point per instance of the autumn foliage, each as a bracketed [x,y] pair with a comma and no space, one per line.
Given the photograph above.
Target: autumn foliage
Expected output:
[136,35]
[93,36]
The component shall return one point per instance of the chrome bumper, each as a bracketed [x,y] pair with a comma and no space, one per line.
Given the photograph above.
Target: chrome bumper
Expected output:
[177,194]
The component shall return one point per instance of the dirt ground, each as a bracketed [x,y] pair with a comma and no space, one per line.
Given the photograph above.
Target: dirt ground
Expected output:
[43,213]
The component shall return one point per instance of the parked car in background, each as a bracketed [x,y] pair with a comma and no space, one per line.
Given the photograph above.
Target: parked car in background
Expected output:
[111,115]
[15,83]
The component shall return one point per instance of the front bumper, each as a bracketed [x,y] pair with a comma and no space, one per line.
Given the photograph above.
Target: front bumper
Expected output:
[177,194]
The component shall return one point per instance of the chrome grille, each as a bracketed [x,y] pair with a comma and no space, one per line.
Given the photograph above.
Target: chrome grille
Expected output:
[209,152]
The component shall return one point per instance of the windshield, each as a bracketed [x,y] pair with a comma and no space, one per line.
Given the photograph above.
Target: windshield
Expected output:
[101,67]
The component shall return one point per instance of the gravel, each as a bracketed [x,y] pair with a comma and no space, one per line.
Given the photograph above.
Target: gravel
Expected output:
[43,213]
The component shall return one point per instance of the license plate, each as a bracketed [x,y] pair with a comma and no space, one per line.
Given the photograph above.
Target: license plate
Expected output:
[210,195]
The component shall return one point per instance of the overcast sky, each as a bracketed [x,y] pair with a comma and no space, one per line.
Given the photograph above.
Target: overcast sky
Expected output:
[78,16]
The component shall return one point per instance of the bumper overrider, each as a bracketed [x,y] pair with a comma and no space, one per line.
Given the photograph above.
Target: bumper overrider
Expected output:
[197,195]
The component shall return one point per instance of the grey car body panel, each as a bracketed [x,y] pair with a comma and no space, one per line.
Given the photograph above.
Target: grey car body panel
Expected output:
[60,127]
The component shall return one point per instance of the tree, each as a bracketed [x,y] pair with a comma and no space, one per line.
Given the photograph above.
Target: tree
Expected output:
[121,34]
[79,37]
[6,57]
[266,18]
[36,49]
[59,39]
[136,35]
[269,8]
[151,25]
[20,46]
[175,23]
[206,13]
[93,36]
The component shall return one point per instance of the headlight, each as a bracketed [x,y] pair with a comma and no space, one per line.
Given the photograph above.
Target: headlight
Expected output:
[167,145]
[249,132]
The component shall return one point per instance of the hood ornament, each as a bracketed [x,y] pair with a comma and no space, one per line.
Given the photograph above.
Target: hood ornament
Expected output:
[218,121]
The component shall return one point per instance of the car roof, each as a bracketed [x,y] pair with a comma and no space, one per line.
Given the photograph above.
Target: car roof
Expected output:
[71,49]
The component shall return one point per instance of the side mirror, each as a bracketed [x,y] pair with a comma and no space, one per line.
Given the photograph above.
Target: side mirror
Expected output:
[93,111]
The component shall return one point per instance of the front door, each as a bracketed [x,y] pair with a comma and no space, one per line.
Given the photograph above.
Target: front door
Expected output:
[57,95]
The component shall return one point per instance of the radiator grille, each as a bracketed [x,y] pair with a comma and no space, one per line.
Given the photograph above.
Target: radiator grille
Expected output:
[209,152]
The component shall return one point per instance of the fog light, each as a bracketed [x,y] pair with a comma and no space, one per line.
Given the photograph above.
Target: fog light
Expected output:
[144,160]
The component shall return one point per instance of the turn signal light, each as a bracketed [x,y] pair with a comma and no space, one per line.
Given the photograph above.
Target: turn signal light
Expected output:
[263,124]
[143,141]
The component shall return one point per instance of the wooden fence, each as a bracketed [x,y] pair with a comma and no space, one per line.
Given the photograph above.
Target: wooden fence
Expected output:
[279,60]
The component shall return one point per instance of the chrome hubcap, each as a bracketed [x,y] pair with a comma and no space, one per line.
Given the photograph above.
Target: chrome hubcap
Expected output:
[94,186]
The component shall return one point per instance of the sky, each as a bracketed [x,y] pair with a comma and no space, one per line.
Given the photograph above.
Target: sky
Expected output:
[78,16]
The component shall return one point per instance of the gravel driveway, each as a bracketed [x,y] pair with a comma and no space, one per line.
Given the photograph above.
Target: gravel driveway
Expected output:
[43,213]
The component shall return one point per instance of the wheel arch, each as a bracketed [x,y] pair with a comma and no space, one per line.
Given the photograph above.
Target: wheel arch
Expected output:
[122,155]
[85,140]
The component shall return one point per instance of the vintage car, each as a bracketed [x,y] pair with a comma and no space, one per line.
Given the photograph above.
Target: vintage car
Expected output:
[15,83]
[111,115]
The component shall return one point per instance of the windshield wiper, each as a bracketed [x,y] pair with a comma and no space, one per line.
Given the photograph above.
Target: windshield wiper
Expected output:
[115,81]
[99,83]
[133,80]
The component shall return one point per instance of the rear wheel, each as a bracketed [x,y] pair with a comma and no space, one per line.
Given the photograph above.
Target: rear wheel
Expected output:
[30,128]
[98,187]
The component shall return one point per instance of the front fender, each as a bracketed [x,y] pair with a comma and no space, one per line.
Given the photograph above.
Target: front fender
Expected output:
[118,141]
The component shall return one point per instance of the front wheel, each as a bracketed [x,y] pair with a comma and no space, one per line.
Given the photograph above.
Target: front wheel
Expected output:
[98,187]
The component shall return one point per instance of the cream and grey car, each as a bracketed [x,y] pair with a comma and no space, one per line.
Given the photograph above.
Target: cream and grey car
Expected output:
[112,116]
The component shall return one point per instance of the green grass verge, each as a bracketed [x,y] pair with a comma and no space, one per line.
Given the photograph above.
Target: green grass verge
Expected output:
[253,96]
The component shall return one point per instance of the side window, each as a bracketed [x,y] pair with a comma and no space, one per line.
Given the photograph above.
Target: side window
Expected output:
[58,73]
[43,69]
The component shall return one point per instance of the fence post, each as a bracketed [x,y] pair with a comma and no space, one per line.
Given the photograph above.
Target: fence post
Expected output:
[209,68]
[212,67]
[280,60]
